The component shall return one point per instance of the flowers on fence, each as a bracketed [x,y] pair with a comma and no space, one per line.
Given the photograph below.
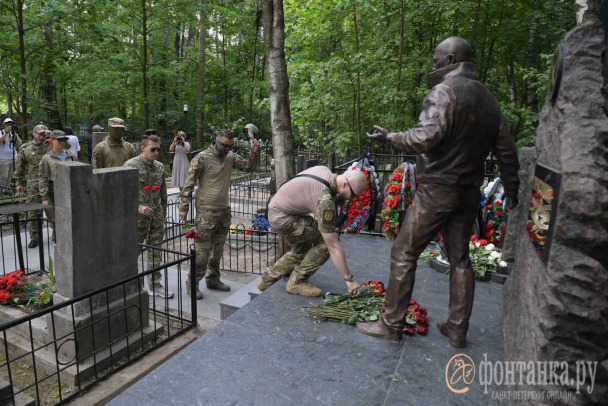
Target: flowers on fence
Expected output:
[358,210]
[401,186]
[484,257]
[15,288]
[259,223]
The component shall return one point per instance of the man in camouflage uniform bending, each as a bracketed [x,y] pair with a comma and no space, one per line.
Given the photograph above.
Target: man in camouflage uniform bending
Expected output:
[311,241]
[210,170]
[28,160]
[152,207]
[113,151]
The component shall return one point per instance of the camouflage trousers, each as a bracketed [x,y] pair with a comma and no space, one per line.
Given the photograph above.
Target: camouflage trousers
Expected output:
[308,252]
[33,196]
[212,227]
[50,213]
[152,231]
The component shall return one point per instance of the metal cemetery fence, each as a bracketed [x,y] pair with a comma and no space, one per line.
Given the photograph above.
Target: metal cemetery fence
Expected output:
[68,347]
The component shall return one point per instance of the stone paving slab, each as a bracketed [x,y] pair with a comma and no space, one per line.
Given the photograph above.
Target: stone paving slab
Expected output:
[271,353]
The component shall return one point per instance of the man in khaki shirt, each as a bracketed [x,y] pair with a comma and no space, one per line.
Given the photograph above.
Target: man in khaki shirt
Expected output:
[311,241]
[210,170]
[113,151]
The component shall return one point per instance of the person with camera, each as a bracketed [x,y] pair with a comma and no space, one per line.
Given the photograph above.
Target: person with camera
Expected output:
[28,161]
[179,171]
[9,140]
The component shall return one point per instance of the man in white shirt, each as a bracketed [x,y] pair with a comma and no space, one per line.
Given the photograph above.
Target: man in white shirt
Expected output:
[9,140]
[73,140]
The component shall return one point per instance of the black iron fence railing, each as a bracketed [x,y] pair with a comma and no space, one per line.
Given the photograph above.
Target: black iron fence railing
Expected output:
[249,251]
[15,239]
[66,348]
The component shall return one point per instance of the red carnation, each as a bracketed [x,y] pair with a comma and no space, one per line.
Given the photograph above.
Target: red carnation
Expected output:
[489,206]
[146,188]
[498,213]
[409,184]
[383,308]
[497,203]
[422,330]
[156,188]
[409,330]
[393,190]
[397,177]
[412,302]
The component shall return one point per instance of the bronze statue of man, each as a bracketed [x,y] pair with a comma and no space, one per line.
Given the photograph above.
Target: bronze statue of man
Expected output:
[460,124]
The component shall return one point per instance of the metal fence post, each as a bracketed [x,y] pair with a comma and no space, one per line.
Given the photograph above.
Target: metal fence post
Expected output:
[193,286]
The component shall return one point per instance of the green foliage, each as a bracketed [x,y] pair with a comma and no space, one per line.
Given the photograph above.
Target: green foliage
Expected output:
[94,60]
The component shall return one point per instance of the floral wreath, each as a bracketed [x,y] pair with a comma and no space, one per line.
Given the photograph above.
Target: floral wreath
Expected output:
[398,196]
[360,210]
[493,207]
[538,235]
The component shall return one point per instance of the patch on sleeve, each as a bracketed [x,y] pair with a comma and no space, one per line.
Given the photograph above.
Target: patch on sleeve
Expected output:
[328,217]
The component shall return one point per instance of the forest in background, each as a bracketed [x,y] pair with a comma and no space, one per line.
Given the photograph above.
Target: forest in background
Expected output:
[351,63]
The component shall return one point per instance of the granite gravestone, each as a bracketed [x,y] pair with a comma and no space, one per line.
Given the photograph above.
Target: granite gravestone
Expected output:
[555,302]
[96,225]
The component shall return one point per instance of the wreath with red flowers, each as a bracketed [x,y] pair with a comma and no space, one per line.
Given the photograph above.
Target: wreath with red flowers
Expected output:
[359,210]
[398,196]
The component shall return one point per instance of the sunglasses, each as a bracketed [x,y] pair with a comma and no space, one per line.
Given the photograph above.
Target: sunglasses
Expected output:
[227,146]
[352,192]
[156,149]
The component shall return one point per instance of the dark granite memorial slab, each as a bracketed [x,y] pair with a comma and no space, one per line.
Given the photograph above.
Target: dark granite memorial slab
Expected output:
[271,353]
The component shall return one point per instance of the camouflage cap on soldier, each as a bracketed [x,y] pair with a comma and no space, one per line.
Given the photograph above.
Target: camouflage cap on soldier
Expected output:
[40,128]
[116,122]
[59,135]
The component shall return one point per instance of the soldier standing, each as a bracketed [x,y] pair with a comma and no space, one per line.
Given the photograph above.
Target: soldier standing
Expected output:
[113,151]
[46,171]
[28,160]
[211,170]
[152,207]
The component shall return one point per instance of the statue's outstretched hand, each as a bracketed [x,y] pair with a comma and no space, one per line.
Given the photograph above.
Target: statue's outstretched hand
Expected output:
[380,134]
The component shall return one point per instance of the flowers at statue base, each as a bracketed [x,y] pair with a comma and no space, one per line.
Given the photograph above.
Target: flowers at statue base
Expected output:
[16,289]
[348,308]
[358,210]
[190,231]
[366,307]
[416,320]
[400,186]
[259,224]
[484,257]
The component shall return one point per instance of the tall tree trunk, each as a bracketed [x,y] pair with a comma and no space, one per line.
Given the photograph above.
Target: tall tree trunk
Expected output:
[49,85]
[531,81]
[225,73]
[258,16]
[400,54]
[200,108]
[22,59]
[144,63]
[278,84]
[358,89]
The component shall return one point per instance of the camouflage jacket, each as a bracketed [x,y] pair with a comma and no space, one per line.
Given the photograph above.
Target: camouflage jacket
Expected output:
[28,160]
[46,172]
[211,173]
[152,185]
[109,153]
